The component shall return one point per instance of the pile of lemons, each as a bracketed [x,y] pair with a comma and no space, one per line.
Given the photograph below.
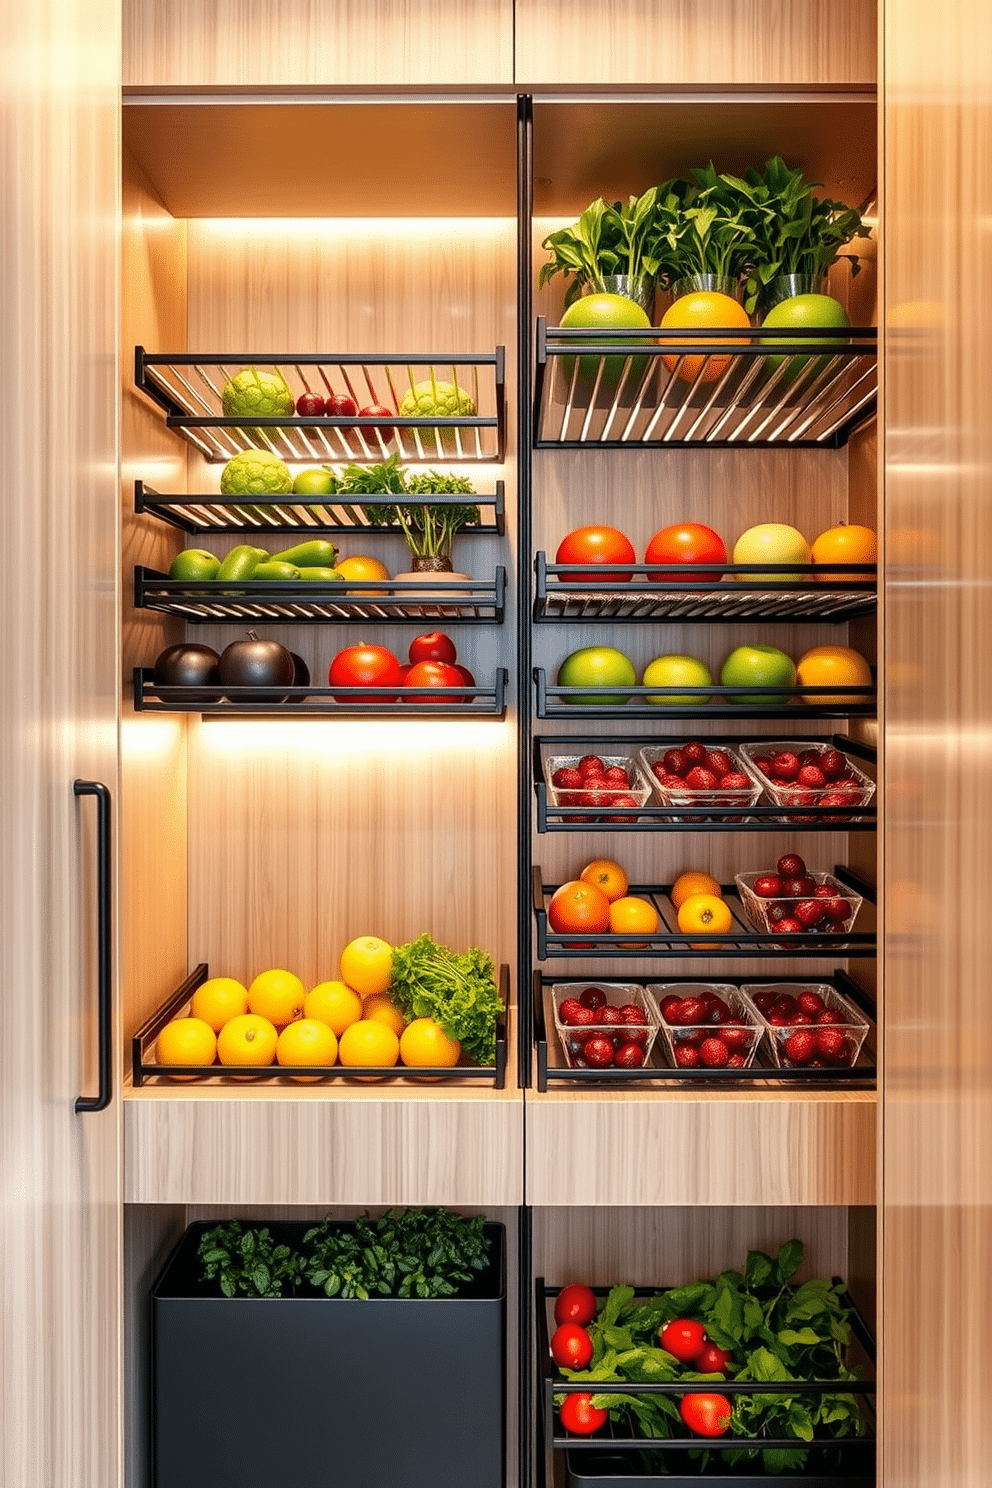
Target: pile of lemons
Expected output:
[350,1021]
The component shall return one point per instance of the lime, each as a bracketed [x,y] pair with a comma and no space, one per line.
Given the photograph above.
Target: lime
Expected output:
[254,394]
[256,473]
[194,565]
[314,483]
[803,312]
[604,312]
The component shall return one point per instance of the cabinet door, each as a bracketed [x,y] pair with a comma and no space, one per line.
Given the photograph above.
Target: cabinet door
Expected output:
[59,1267]
[937,1130]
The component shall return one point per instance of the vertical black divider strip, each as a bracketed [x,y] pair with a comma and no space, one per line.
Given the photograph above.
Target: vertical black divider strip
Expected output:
[525,201]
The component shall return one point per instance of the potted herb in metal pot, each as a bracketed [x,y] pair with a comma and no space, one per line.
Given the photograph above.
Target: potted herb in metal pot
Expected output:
[305,1329]
[705,234]
[610,250]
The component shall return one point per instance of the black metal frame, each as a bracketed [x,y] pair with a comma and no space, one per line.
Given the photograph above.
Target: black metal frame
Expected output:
[723,702]
[861,1076]
[143,1041]
[325,702]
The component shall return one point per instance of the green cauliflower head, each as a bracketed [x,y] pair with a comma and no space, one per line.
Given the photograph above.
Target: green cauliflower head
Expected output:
[444,398]
[253,394]
[256,473]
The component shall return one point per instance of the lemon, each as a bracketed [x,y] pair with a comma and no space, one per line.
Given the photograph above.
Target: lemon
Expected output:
[186,1041]
[334,1004]
[247,1039]
[367,965]
[277,995]
[379,1009]
[307,1042]
[256,473]
[253,394]
[218,1000]
[424,1043]
[368,1043]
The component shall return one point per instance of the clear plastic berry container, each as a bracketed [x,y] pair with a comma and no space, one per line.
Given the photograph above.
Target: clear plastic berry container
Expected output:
[573,1038]
[683,795]
[834,1038]
[762,913]
[611,799]
[704,1042]
[854,786]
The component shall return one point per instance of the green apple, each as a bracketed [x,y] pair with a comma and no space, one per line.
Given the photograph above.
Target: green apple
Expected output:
[771,542]
[314,482]
[677,671]
[800,313]
[597,666]
[748,665]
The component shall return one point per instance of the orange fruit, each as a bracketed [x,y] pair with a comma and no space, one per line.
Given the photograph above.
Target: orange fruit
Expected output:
[632,913]
[247,1039]
[578,906]
[277,995]
[706,914]
[306,1042]
[367,965]
[424,1042]
[363,569]
[607,876]
[701,309]
[380,1010]
[693,882]
[334,1004]
[368,1042]
[829,666]
[844,544]
[186,1041]
[219,999]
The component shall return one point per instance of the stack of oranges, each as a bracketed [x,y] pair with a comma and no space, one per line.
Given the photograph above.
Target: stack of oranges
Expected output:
[274,1020]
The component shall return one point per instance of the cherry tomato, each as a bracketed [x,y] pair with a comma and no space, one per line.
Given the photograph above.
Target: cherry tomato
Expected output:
[364,666]
[683,1338]
[571,1346]
[706,1415]
[309,405]
[434,646]
[712,1360]
[686,542]
[580,1416]
[575,1304]
[596,545]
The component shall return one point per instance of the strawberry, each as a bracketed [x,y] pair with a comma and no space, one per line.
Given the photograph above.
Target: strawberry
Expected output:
[633,1014]
[714,1053]
[629,1056]
[811,1002]
[690,1011]
[737,1038]
[617,776]
[790,865]
[785,766]
[838,798]
[567,1008]
[718,760]
[637,1035]
[736,1061]
[811,776]
[620,804]
[672,762]
[592,997]
[668,1004]
[583,1017]
[768,886]
[735,781]
[799,888]
[775,912]
[567,778]
[763,763]
[672,783]
[694,753]
[799,1019]
[785,1003]
[810,757]
[829,1019]
[809,912]
[824,891]
[701,779]
[832,1046]
[598,1051]
[787,927]
[838,909]
[686,1057]
[764,1001]
[610,1017]
[591,764]
[833,764]
[799,1047]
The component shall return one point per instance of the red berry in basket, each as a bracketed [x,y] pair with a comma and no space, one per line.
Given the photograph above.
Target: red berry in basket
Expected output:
[737,1038]
[838,909]
[790,865]
[583,1017]
[829,1019]
[763,762]
[785,766]
[776,912]
[694,753]
[788,926]
[617,777]
[672,783]
[621,800]
[799,1019]
[667,1004]
[799,1047]
[566,778]
[610,1017]
[838,798]
[764,1001]
[799,888]
[785,1003]
[718,760]
[811,776]
[832,1046]
[567,1009]
[672,762]
[767,886]
[809,913]
[824,891]
[833,764]
[691,1012]
[713,1052]
[598,1051]
[629,1056]
[631,1013]
[686,1057]
[591,764]
[809,757]
[736,1061]
[811,1002]
[575,1042]
[701,779]
[735,781]
[592,997]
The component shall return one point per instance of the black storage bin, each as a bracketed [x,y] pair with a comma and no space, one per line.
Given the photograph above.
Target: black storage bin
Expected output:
[317,1390]
[617,1469]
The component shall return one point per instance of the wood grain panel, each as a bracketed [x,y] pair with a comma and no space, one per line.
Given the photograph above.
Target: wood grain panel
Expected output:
[364,1147]
[675,1150]
[938,460]
[60,1267]
[694,41]
[302,42]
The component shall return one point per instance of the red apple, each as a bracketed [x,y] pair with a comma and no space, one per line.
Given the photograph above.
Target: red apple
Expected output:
[433,646]
[310,405]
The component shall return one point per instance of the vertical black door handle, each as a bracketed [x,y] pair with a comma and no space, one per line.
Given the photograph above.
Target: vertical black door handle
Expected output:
[100,1101]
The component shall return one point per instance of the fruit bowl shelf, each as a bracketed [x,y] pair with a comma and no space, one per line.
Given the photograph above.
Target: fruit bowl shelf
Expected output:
[764,816]
[720,702]
[176,1005]
[836,592]
[324,702]
[552,1071]
[204,514]
[741,942]
[189,387]
[834,1462]
[657,389]
[300,602]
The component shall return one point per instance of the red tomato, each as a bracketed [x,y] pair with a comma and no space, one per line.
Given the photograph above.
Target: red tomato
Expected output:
[434,646]
[706,1415]
[571,1346]
[686,542]
[575,1304]
[683,1338]
[578,1415]
[434,674]
[712,1360]
[596,545]
[466,675]
[364,666]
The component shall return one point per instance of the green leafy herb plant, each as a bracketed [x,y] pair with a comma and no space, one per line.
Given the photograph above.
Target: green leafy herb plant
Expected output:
[457,990]
[704,227]
[609,239]
[245,1261]
[429,528]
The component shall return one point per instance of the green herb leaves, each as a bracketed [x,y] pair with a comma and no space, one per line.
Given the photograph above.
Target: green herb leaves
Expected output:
[247,1262]
[429,530]
[458,991]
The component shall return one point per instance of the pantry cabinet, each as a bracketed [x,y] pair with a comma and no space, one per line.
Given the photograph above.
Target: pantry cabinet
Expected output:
[335,180]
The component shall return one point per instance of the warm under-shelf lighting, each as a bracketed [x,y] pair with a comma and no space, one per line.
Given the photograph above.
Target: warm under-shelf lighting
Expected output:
[353,736]
[434,228]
